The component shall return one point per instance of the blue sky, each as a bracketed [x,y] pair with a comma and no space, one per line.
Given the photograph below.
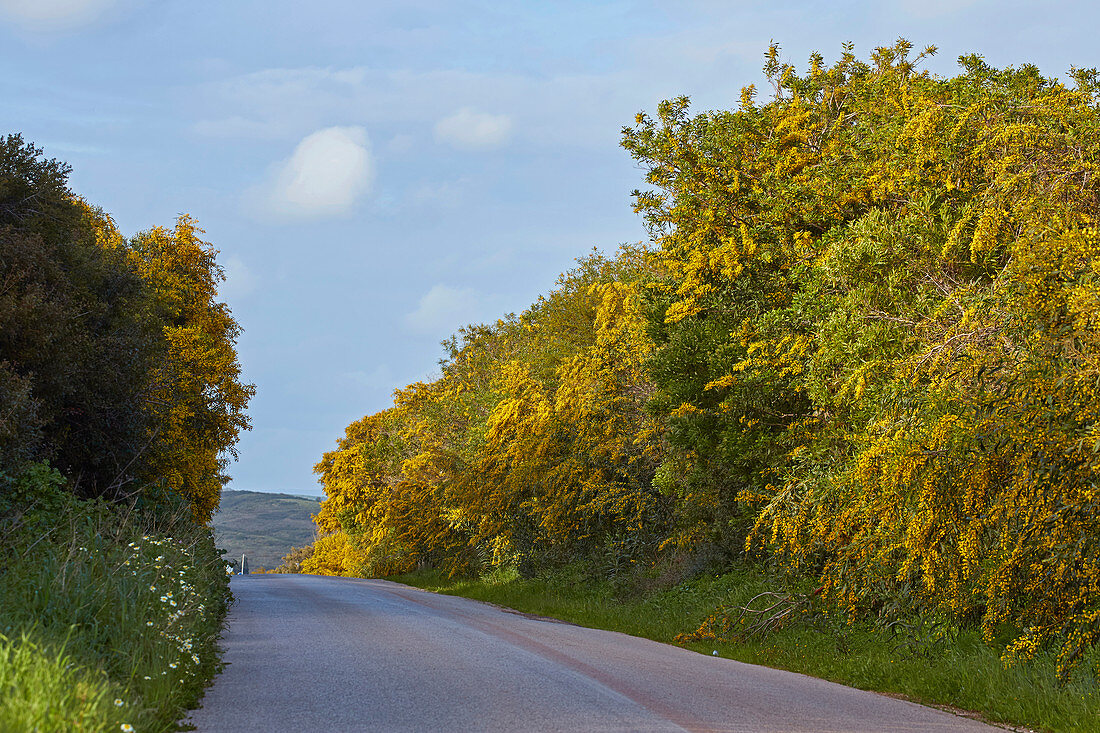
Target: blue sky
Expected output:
[378,174]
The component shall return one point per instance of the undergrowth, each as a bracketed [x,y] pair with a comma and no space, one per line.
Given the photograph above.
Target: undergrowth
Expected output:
[109,616]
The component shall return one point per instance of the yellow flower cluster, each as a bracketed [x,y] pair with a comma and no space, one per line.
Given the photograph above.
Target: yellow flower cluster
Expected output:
[880,345]
[533,441]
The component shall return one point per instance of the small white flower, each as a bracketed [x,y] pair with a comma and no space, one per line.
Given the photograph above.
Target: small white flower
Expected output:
[172,665]
[126,728]
[118,703]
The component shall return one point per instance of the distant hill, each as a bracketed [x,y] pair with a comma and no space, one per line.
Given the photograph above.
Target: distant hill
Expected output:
[263,526]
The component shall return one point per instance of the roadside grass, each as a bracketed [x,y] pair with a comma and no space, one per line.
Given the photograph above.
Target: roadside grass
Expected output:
[109,620]
[42,691]
[958,671]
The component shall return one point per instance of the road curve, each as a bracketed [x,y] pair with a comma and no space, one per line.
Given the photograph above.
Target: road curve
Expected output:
[309,653]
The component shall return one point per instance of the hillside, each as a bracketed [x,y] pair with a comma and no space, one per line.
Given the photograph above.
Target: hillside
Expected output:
[263,526]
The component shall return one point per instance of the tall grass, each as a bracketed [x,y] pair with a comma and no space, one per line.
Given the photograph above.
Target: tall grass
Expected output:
[43,691]
[109,617]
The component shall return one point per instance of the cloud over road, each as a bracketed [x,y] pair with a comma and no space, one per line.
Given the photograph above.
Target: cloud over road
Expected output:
[329,171]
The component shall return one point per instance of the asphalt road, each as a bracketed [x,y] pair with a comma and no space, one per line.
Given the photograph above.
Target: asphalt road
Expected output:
[308,653]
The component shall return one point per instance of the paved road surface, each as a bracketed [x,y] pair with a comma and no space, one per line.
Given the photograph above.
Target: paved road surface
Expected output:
[308,653]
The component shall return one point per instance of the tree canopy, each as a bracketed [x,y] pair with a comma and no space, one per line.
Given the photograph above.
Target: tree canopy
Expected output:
[117,362]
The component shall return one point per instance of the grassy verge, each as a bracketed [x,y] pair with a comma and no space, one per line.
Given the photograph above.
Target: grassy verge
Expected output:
[108,620]
[959,671]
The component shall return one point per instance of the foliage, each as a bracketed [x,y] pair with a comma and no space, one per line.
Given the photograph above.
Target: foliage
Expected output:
[292,563]
[198,400]
[75,348]
[120,399]
[864,345]
[533,446]
[117,363]
[107,616]
[877,328]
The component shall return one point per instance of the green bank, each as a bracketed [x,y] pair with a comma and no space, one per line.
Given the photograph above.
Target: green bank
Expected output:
[109,615]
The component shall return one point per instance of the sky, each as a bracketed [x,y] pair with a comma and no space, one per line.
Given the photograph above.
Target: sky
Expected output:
[376,175]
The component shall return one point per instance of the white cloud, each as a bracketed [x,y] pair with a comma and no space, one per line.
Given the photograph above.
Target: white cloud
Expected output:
[443,310]
[54,14]
[326,175]
[468,129]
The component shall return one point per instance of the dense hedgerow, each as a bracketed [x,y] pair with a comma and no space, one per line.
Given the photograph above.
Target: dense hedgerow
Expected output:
[877,337]
[109,615]
[864,345]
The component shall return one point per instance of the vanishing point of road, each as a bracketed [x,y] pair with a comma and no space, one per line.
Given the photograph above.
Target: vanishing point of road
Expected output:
[308,653]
